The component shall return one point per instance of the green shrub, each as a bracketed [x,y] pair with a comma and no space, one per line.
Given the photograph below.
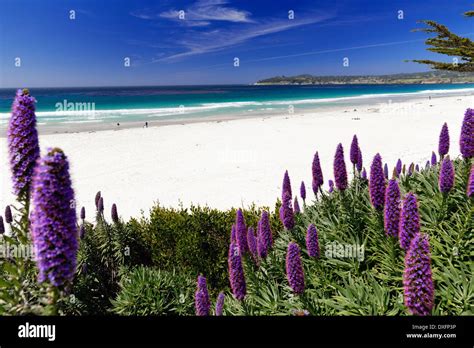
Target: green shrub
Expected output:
[195,240]
[147,291]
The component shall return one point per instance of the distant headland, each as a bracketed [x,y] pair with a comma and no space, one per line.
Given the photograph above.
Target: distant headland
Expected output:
[430,77]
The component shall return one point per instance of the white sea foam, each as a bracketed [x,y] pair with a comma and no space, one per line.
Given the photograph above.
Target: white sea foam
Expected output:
[84,116]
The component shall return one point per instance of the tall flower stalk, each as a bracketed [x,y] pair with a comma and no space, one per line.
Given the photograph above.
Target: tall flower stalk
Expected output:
[443,144]
[287,216]
[241,232]
[466,139]
[23,143]
[312,242]
[296,206]
[264,235]
[392,208]
[446,176]
[303,192]
[409,221]
[53,221]
[398,167]
[340,173]
[418,287]
[317,174]
[220,304]
[377,183]
[294,268]
[236,273]
[354,152]
[252,243]
[23,152]
[202,301]
[434,160]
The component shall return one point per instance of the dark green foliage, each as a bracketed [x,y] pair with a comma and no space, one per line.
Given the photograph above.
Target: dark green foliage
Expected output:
[105,252]
[447,43]
[194,239]
[148,291]
[20,293]
[371,285]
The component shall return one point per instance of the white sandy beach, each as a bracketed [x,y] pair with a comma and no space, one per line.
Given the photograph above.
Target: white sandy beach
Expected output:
[234,163]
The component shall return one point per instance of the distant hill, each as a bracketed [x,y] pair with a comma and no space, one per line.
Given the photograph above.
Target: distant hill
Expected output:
[429,77]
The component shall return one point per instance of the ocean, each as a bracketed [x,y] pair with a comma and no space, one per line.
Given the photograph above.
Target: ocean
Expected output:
[63,106]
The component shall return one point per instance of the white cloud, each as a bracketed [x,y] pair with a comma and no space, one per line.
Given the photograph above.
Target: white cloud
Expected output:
[201,13]
[216,40]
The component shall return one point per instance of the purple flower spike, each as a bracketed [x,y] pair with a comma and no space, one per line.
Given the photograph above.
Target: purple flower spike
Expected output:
[427,165]
[446,175]
[470,184]
[100,205]
[53,219]
[364,174]
[2,226]
[418,287]
[286,212]
[114,213]
[233,234]
[409,221]
[385,171]
[340,173]
[466,140]
[377,183]
[83,213]
[202,300]
[317,174]
[264,239]
[411,169]
[331,186]
[82,231]
[286,187]
[296,206]
[417,168]
[392,208]
[236,273]
[359,161]
[220,304]
[294,268]
[241,232]
[443,145]
[434,160]
[354,152]
[303,191]
[23,142]
[312,244]
[252,243]
[398,167]
[8,215]
[97,199]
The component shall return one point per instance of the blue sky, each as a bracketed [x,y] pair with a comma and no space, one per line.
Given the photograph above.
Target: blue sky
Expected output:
[200,49]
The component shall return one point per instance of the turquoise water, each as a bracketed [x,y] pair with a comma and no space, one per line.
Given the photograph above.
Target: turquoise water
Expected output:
[140,104]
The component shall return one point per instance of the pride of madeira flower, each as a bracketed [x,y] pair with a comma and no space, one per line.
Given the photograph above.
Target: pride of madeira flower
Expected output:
[23,142]
[53,219]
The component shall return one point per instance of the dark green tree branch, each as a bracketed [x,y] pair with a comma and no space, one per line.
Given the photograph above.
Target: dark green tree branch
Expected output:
[447,43]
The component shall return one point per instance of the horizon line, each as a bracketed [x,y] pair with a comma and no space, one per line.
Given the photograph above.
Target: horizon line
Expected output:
[223,84]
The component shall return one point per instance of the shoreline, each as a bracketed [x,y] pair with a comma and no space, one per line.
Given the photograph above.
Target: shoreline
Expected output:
[324,106]
[235,164]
